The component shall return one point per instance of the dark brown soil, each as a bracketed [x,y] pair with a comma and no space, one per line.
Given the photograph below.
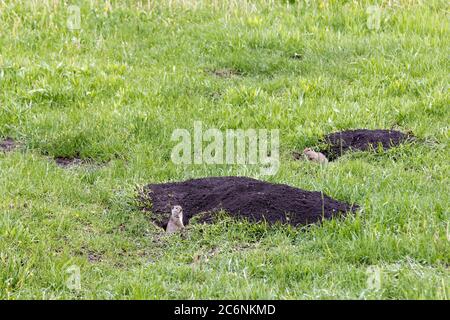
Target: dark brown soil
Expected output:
[297,155]
[8,144]
[226,73]
[339,143]
[242,198]
[66,162]
[69,162]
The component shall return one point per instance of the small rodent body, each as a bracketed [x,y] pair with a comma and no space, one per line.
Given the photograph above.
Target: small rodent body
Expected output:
[318,157]
[176,220]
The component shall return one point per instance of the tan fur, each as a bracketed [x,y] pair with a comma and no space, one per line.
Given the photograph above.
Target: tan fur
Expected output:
[318,157]
[176,220]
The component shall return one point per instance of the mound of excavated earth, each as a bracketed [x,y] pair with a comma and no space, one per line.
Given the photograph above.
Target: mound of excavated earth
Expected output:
[339,143]
[241,198]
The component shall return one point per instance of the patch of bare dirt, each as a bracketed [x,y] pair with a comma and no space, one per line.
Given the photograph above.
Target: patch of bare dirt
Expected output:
[226,73]
[66,162]
[7,144]
[69,162]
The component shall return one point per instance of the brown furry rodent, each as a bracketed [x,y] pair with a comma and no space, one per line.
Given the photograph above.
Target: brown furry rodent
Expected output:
[176,220]
[318,157]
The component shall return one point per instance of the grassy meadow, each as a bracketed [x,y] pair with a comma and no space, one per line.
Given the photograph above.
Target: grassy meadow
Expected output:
[111,90]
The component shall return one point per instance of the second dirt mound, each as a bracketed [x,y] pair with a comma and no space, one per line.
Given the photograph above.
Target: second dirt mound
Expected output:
[339,143]
[240,197]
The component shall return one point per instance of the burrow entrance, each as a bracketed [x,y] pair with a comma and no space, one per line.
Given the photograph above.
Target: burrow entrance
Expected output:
[241,198]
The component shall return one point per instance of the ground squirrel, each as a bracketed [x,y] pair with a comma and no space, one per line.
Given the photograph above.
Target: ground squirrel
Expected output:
[175,220]
[318,157]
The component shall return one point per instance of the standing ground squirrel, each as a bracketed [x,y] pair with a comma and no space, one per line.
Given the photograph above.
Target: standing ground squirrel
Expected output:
[318,157]
[175,220]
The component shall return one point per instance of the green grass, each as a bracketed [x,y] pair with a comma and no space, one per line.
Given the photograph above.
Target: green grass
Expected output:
[116,89]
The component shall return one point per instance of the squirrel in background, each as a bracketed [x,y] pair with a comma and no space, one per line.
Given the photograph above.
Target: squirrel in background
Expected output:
[318,157]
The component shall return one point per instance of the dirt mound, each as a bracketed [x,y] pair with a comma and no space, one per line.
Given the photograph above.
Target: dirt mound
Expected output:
[339,143]
[242,198]
[8,144]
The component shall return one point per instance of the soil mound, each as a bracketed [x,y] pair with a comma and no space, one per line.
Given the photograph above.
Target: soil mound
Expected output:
[339,143]
[66,162]
[242,198]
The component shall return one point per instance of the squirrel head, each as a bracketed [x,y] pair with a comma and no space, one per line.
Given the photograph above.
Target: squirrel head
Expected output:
[177,212]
